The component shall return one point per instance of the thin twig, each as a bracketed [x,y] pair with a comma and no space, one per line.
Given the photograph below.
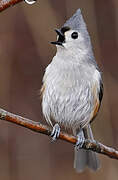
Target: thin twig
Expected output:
[39,128]
[4,4]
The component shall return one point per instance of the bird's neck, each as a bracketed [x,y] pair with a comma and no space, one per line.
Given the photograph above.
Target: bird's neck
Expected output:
[73,55]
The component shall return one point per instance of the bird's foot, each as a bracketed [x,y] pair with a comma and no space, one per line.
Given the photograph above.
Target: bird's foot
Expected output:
[80,140]
[55,132]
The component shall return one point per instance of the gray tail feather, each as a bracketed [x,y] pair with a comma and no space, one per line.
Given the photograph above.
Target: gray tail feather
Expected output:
[85,158]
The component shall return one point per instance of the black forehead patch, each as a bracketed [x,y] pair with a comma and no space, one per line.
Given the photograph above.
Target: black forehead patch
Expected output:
[64,29]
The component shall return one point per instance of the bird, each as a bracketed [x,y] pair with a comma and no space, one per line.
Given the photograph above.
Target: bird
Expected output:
[72,89]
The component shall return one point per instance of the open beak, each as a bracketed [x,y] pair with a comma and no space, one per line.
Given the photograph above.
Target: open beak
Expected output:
[61,38]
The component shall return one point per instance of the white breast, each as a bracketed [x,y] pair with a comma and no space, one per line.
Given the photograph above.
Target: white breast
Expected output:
[67,98]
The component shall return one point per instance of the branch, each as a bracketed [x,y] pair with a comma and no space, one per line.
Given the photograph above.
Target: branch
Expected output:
[39,128]
[7,3]
[4,4]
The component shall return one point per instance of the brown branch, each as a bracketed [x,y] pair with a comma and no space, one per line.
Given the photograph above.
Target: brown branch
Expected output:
[4,4]
[39,128]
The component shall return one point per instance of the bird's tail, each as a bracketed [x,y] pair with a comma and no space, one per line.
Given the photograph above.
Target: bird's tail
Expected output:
[86,158]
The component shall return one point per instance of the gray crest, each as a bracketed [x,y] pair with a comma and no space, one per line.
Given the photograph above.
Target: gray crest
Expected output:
[76,22]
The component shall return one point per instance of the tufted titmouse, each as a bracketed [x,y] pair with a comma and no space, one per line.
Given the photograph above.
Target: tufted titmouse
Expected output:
[72,88]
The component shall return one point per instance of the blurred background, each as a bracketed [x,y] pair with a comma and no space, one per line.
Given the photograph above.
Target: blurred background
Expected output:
[25,51]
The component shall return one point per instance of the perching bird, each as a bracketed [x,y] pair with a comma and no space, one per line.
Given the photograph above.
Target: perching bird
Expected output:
[72,88]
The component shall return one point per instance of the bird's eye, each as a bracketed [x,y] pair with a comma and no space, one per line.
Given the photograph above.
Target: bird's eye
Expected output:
[74,35]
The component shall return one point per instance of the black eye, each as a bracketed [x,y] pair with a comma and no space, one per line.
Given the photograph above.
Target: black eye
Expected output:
[74,35]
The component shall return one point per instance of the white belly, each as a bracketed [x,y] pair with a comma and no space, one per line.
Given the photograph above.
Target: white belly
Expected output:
[68,98]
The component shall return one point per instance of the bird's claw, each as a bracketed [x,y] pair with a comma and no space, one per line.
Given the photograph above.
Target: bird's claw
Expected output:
[55,132]
[80,140]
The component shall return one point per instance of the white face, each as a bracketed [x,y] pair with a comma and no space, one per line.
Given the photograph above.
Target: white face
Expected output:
[73,39]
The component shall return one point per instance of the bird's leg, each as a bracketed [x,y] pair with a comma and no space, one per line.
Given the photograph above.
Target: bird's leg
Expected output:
[80,139]
[55,132]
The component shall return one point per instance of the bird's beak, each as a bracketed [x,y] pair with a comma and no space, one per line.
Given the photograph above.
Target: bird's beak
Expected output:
[61,38]
[58,31]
